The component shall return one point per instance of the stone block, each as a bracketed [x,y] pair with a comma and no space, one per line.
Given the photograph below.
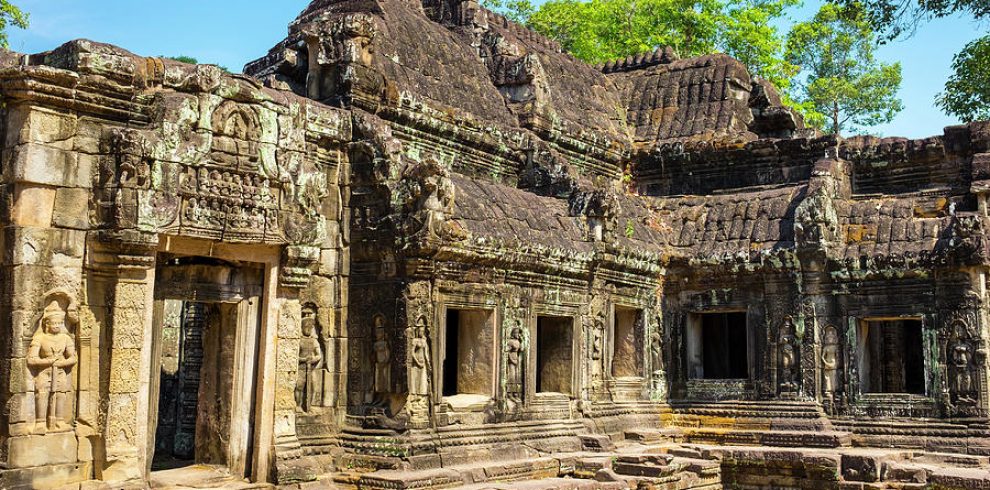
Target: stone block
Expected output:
[20,376]
[285,397]
[21,406]
[128,328]
[285,422]
[62,477]
[131,295]
[904,473]
[860,468]
[45,246]
[36,125]
[125,375]
[328,262]
[47,165]
[41,450]
[122,420]
[72,208]
[31,282]
[33,206]
[288,355]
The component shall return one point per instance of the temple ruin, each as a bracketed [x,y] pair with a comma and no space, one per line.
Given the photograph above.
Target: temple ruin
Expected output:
[418,246]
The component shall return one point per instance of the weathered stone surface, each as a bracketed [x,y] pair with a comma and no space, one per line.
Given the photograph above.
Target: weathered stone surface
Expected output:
[418,246]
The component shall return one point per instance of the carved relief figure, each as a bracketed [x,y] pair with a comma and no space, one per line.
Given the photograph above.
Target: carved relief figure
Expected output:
[51,356]
[419,381]
[788,357]
[961,357]
[514,370]
[830,360]
[383,359]
[309,382]
[656,361]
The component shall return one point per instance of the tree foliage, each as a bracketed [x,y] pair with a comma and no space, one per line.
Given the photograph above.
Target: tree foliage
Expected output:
[600,30]
[894,18]
[843,87]
[967,92]
[10,14]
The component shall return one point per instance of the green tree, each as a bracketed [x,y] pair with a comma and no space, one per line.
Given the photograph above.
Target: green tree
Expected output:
[967,92]
[600,30]
[10,14]
[844,87]
[894,18]
[966,89]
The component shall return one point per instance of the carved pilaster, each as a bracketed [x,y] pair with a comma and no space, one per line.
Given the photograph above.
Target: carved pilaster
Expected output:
[298,263]
[122,265]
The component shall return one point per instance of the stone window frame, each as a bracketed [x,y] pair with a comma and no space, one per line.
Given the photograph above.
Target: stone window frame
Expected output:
[609,348]
[856,344]
[577,340]
[752,356]
[440,344]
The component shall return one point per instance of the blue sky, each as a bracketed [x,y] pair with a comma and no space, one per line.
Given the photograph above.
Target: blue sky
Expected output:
[233,32]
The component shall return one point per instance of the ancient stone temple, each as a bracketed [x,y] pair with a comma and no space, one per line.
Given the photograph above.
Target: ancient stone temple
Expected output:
[417,246]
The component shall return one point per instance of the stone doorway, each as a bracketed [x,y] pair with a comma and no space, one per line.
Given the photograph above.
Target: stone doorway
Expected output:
[204,362]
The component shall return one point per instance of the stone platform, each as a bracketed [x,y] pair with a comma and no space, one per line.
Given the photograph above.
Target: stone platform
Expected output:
[693,466]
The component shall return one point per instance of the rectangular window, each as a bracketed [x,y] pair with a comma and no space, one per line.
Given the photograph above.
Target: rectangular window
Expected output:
[554,354]
[718,346]
[891,356]
[469,347]
[627,342]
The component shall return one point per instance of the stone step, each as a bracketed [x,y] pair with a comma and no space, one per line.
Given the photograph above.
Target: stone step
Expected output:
[774,438]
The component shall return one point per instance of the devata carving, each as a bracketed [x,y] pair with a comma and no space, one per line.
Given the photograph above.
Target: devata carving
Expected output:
[514,368]
[788,357]
[419,377]
[309,378]
[383,361]
[830,361]
[51,356]
[961,365]
[656,361]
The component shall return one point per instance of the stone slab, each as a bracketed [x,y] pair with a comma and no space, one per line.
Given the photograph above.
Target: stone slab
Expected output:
[40,450]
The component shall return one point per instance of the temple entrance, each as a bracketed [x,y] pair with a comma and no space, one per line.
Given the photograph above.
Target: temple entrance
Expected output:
[205,343]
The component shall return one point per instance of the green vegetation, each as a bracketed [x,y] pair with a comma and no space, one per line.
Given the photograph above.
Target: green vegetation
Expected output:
[10,14]
[600,30]
[843,87]
[967,93]
[192,61]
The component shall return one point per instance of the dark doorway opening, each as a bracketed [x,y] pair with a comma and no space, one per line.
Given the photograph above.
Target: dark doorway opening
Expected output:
[893,357]
[450,359]
[178,402]
[725,345]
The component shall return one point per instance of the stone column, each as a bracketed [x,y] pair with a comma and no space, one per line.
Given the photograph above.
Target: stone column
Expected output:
[294,276]
[122,270]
